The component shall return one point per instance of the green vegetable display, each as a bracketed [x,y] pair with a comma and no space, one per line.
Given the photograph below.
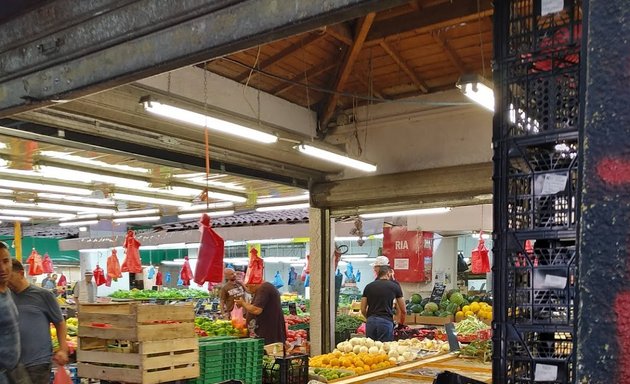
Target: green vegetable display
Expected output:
[470,326]
[166,294]
[347,323]
[479,349]
[216,327]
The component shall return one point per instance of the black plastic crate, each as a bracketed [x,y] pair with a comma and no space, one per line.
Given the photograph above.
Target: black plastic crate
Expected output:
[542,186]
[533,356]
[286,370]
[529,31]
[541,103]
[541,282]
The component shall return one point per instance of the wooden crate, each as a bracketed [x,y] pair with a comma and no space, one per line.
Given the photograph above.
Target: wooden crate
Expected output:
[149,362]
[137,343]
[136,321]
[433,320]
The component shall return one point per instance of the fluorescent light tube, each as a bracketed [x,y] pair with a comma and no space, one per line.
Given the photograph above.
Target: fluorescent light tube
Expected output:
[278,200]
[273,208]
[140,212]
[56,207]
[3,145]
[415,212]
[81,217]
[356,238]
[270,241]
[209,122]
[355,256]
[195,215]
[31,186]
[2,190]
[77,223]
[298,264]
[34,213]
[136,219]
[204,207]
[227,196]
[76,199]
[476,236]
[336,158]
[15,218]
[88,161]
[150,200]
[475,88]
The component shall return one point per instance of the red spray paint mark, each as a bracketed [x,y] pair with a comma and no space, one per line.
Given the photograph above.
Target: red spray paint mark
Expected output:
[622,303]
[614,171]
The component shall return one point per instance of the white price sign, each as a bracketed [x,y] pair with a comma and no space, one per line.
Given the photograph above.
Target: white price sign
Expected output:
[550,6]
[546,372]
[401,264]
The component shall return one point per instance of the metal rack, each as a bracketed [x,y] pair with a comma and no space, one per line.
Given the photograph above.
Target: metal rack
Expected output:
[539,102]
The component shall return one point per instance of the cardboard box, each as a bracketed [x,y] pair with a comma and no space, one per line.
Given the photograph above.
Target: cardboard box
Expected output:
[433,320]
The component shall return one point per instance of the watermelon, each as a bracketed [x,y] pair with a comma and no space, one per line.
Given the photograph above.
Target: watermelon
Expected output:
[424,302]
[457,298]
[427,313]
[416,308]
[416,298]
[431,306]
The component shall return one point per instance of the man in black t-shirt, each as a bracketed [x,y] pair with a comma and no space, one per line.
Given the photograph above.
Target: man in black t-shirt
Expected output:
[376,305]
[264,315]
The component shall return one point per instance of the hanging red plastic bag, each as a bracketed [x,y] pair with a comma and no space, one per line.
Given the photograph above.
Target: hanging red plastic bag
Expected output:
[307,268]
[108,281]
[99,276]
[132,254]
[255,268]
[61,376]
[186,273]
[480,263]
[35,264]
[47,264]
[209,266]
[63,281]
[158,279]
[113,266]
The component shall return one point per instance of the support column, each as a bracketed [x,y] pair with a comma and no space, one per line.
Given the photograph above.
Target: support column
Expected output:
[320,281]
[604,324]
[17,240]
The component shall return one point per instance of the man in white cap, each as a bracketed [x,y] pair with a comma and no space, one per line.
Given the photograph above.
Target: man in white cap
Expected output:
[376,303]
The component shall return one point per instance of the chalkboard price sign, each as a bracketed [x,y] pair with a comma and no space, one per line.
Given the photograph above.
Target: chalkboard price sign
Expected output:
[437,293]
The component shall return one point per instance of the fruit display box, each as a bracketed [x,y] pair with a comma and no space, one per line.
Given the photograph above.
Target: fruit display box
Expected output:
[433,320]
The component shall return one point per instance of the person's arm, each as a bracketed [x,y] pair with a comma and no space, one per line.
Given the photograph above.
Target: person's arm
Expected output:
[222,299]
[402,310]
[364,306]
[61,356]
[250,308]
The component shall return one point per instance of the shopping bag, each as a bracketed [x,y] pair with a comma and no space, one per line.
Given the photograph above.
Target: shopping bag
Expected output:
[62,281]
[47,264]
[35,264]
[480,263]
[113,266]
[132,262]
[158,279]
[61,376]
[254,274]
[186,273]
[99,276]
[209,266]
[277,280]
[292,276]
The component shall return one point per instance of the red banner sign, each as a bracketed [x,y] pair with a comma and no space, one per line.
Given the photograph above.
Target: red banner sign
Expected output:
[410,253]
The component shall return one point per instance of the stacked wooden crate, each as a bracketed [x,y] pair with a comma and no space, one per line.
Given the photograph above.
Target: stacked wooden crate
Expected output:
[137,343]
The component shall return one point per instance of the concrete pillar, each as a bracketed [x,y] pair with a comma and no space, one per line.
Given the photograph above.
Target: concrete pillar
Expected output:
[604,286]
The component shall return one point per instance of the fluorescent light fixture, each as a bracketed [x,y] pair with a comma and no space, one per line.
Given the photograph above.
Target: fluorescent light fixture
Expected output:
[150,200]
[196,215]
[477,89]
[32,186]
[2,190]
[226,196]
[193,245]
[356,238]
[336,158]
[209,122]
[81,217]
[204,207]
[415,212]
[276,259]
[55,207]
[270,241]
[76,199]
[15,218]
[232,243]
[88,161]
[77,223]
[355,256]
[476,236]
[273,208]
[172,246]
[34,213]
[136,219]
[3,145]
[140,212]
[357,259]
[83,229]
[298,264]
[279,200]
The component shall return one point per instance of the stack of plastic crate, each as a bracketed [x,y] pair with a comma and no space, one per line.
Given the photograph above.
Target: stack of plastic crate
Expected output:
[248,361]
[216,361]
[536,197]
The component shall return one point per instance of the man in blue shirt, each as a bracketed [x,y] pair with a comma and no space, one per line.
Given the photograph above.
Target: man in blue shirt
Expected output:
[37,308]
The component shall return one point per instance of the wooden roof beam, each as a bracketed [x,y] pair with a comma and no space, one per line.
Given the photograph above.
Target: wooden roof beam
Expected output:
[361,34]
[340,32]
[449,51]
[300,77]
[373,92]
[401,63]
[427,19]
[288,51]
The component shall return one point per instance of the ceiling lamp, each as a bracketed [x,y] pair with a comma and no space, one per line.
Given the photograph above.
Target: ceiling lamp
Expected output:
[15,218]
[33,186]
[143,219]
[55,207]
[81,217]
[77,223]
[204,207]
[277,200]
[150,200]
[273,208]
[477,89]
[2,190]
[34,213]
[337,158]
[88,161]
[414,212]
[212,123]
[139,212]
[196,215]
[75,199]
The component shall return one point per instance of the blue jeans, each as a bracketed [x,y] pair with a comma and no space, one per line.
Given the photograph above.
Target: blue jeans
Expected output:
[379,328]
